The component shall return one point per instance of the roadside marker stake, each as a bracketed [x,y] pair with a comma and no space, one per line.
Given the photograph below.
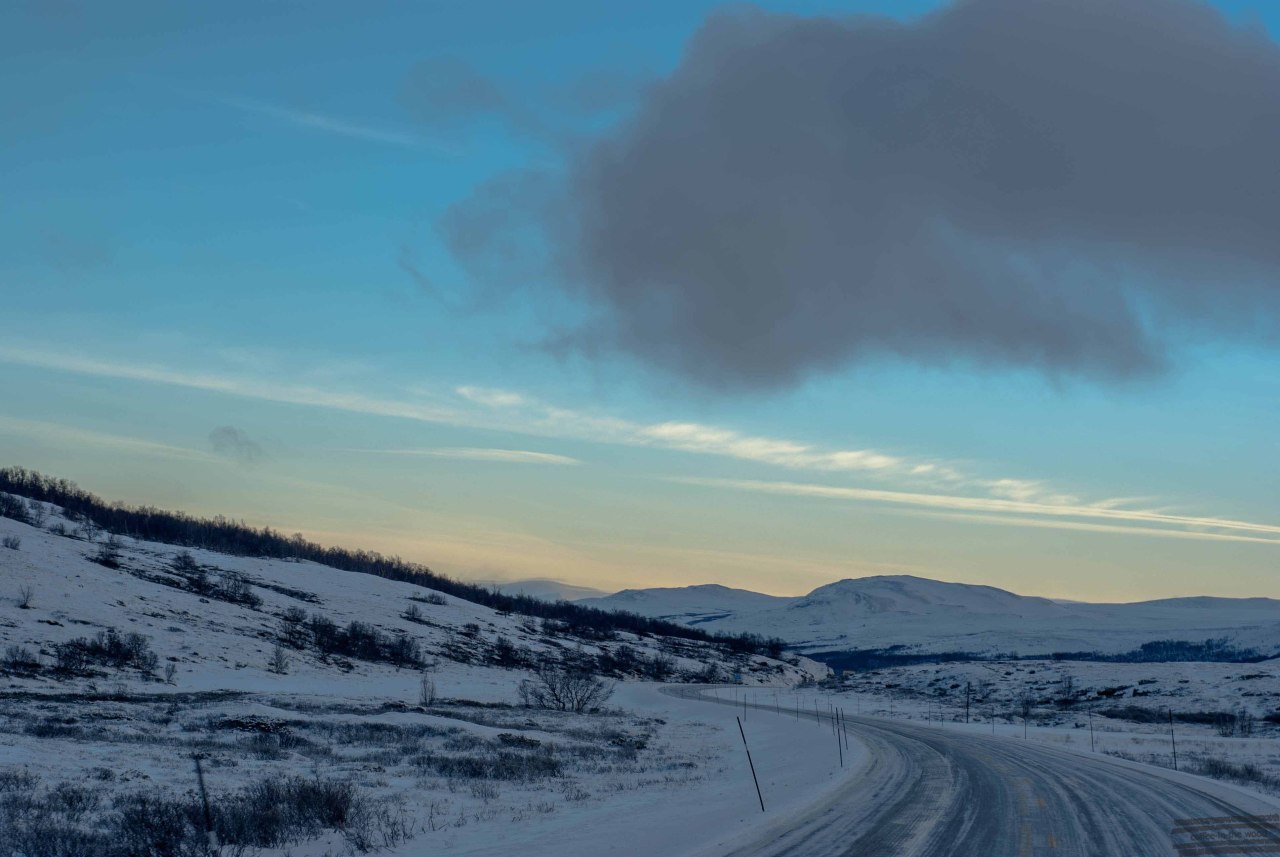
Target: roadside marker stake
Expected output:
[210,834]
[752,764]
[839,746]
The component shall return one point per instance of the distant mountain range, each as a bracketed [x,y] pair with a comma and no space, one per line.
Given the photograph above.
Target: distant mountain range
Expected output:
[546,589]
[913,615]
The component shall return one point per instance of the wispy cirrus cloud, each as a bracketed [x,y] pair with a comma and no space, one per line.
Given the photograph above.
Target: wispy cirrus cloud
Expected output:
[324,122]
[467,453]
[934,486]
[490,397]
[43,430]
[1146,521]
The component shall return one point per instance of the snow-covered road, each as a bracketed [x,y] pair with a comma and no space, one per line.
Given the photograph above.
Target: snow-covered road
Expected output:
[929,792]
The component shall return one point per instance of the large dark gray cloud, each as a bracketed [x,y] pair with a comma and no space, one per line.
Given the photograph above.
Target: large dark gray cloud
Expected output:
[1070,185]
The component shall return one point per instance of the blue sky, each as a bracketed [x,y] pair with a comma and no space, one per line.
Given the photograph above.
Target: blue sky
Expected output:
[225,217]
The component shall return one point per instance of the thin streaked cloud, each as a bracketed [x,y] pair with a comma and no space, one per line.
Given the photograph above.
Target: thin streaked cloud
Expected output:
[1144,521]
[951,488]
[325,123]
[490,397]
[466,453]
[47,431]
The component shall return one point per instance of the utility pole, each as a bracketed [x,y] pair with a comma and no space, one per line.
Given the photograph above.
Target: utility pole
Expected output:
[1173,740]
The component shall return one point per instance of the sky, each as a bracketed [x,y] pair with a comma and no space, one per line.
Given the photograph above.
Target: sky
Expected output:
[661,294]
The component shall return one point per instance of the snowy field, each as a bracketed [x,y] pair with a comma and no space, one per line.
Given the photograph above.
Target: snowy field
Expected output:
[415,746]
[417,740]
[1220,710]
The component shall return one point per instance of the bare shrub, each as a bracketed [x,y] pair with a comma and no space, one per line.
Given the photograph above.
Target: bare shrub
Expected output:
[108,553]
[427,690]
[1244,772]
[13,543]
[25,596]
[434,598]
[660,667]
[293,630]
[37,513]
[486,763]
[412,613]
[564,690]
[279,663]
[234,588]
[20,660]
[108,648]
[485,791]
[170,672]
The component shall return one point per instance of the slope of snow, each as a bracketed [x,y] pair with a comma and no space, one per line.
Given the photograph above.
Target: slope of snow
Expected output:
[641,756]
[926,616]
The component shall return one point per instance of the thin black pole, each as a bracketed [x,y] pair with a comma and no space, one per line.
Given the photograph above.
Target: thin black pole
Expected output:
[210,835]
[1173,740]
[752,764]
[1091,746]
[839,746]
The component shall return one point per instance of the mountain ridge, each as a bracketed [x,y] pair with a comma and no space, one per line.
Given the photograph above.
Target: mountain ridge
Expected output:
[918,614]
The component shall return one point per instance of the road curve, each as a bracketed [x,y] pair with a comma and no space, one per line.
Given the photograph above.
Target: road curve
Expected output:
[926,792]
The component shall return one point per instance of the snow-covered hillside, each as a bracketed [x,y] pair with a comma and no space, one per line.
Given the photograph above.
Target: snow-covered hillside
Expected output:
[371,714]
[930,616]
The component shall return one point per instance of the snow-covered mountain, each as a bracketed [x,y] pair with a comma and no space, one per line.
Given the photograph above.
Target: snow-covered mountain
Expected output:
[691,605]
[547,589]
[931,616]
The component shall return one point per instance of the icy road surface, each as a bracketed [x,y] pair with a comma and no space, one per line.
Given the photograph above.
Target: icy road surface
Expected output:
[925,792]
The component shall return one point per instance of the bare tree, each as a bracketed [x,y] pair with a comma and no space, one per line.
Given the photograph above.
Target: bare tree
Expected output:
[25,596]
[427,691]
[170,671]
[564,690]
[1026,701]
[279,663]
[37,513]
